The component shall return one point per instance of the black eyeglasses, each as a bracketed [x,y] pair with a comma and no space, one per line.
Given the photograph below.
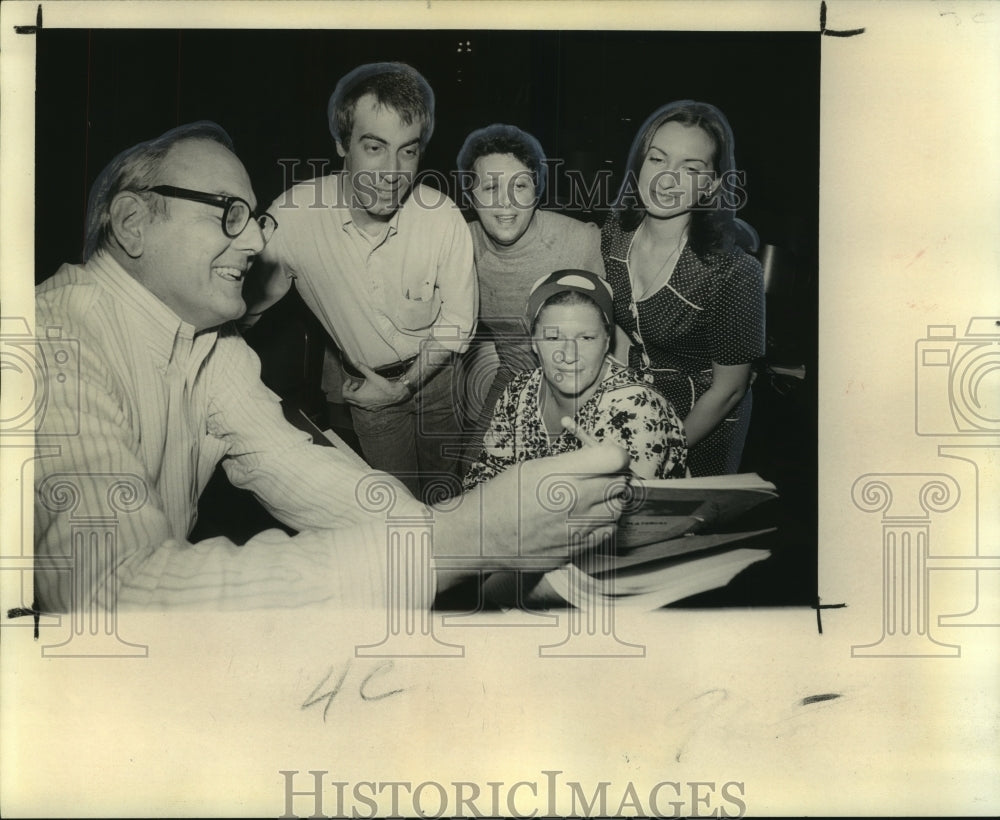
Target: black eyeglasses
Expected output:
[236,213]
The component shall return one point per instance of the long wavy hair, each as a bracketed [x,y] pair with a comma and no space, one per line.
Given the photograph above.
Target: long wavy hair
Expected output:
[714,226]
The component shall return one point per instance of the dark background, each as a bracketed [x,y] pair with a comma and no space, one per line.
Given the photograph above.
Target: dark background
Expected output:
[584,94]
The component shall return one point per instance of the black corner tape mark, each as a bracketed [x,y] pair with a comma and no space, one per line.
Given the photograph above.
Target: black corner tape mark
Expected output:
[20,612]
[31,29]
[828,32]
[819,606]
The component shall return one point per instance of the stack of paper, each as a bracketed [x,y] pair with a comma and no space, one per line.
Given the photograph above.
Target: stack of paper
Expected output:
[673,541]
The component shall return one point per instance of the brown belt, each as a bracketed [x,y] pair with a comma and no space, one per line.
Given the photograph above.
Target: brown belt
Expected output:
[389,371]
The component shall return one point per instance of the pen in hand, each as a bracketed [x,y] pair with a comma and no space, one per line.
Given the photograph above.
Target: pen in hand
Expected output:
[582,435]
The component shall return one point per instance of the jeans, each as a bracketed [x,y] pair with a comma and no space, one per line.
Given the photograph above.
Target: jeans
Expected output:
[418,440]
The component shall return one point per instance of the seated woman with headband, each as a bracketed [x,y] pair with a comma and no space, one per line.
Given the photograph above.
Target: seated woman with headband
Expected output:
[570,316]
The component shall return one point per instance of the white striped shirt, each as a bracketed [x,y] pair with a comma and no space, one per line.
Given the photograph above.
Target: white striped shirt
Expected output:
[131,434]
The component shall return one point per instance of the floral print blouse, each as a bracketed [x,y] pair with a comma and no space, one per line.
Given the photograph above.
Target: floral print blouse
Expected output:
[624,411]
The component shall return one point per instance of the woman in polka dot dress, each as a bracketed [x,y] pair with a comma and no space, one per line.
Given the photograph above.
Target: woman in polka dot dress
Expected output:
[687,293]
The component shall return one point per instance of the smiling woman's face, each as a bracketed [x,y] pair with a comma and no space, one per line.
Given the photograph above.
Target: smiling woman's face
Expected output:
[503,196]
[677,166]
[571,342]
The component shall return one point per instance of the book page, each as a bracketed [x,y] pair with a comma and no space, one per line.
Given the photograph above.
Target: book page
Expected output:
[658,511]
[654,586]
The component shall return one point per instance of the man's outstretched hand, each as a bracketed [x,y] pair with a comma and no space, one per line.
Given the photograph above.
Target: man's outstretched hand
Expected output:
[544,510]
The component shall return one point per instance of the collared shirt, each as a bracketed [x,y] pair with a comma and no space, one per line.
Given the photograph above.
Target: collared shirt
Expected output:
[378,297]
[135,421]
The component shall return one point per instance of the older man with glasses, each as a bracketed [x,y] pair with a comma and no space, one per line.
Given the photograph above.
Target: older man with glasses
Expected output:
[165,388]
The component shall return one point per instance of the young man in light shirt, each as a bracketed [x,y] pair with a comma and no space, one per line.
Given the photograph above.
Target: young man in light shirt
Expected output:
[387,268]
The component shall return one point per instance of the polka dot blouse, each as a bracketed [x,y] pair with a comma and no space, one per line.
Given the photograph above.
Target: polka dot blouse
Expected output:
[711,310]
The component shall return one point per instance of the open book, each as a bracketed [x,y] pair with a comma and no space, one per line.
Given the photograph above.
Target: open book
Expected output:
[652,587]
[668,508]
[676,538]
